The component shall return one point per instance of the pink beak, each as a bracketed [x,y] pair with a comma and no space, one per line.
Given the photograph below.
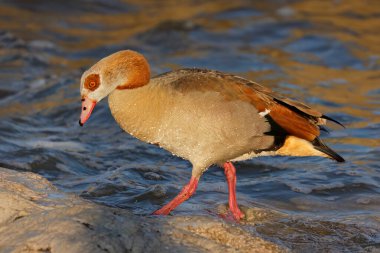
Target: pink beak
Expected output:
[87,107]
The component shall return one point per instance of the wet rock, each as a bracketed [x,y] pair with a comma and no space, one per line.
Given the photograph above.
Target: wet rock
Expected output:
[36,217]
[216,236]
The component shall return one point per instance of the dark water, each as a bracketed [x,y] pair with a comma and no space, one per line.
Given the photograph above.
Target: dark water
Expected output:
[325,53]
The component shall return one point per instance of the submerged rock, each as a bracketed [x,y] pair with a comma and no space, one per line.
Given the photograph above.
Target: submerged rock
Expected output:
[37,217]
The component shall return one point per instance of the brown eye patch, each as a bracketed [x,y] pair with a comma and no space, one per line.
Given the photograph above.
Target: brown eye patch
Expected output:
[92,82]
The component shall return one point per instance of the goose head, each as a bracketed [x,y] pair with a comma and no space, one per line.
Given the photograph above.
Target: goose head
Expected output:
[122,70]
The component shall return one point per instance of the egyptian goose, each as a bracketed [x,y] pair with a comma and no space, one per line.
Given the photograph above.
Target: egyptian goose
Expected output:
[204,116]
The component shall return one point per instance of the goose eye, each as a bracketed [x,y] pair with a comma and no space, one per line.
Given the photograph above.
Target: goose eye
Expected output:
[92,84]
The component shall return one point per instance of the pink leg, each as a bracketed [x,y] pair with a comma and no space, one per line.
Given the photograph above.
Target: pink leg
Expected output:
[186,193]
[230,172]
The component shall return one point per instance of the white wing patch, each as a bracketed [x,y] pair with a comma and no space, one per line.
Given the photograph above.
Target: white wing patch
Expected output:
[266,112]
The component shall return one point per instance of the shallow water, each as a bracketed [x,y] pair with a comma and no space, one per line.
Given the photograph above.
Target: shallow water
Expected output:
[325,54]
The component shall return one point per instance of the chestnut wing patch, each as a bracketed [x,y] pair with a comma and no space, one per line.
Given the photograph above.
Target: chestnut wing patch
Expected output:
[294,123]
[292,116]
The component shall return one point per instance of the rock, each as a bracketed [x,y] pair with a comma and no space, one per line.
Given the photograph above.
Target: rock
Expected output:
[37,217]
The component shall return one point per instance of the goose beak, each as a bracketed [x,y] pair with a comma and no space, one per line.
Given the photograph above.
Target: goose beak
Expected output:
[87,107]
